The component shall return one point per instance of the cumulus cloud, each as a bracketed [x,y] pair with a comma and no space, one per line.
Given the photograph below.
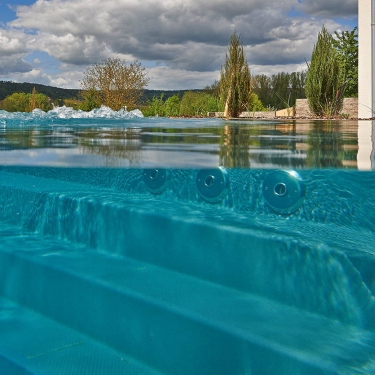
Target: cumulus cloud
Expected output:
[184,34]
[34,75]
[13,50]
[71,49]
[10,46]
[331,8]
[14,64]
[188,38]
[289,44]
[179,79]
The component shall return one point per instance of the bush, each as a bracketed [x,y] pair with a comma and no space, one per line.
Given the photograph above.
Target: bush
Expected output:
[197,104]
[172,106]
[192,104]
[155,107]
[22,102]
[90,101]
[17,102]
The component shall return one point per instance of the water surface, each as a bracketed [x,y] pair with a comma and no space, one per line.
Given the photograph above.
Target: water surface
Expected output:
[104,138]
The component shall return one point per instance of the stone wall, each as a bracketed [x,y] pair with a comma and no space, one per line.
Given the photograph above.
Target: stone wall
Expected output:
[245,114]
[215,114]
[350,108]
[258,114]
[302,108]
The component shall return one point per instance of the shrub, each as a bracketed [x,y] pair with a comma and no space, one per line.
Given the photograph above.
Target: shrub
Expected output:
[325,78]
[22,102]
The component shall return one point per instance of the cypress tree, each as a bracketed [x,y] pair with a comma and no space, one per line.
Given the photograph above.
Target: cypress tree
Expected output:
[235,79]
[325,78]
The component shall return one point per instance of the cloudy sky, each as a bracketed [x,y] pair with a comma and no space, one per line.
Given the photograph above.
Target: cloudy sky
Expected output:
[181,43]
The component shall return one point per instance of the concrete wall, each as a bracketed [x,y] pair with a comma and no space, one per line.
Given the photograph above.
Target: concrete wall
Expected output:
[287,112]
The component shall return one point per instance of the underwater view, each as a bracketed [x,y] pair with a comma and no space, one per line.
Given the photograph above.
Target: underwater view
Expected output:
[151,245]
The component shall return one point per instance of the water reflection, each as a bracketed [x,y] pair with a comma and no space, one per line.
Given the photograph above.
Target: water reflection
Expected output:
[331,146]
[178,143]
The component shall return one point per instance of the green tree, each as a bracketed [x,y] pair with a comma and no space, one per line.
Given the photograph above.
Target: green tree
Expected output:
[325,78]
[346,45]
[172,106]
[155,107]
[261,85]
[213,89]
[280,90]
[255,104]
[91,100]
[197,104]
[235,79]
[115,83]
[297,86]
[37,100]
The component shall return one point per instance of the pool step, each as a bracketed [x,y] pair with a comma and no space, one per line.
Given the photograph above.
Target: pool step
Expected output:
[172,322]
[203,242]
[32,344]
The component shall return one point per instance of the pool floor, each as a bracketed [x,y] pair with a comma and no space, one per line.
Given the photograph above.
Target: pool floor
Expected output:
[98,279]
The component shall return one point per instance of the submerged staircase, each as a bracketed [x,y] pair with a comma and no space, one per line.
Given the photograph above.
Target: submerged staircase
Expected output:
[100,276]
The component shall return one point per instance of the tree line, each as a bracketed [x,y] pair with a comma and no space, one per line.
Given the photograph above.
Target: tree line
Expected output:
[266,95]
[189,103]
[331,75]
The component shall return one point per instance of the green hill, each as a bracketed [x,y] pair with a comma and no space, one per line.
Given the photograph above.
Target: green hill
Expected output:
[8,88]
[55,93]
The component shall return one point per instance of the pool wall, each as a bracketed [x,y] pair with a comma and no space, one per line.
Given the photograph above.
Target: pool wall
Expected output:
[188,286]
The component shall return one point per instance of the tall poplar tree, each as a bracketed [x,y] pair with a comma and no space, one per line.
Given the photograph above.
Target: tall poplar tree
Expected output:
[235,79]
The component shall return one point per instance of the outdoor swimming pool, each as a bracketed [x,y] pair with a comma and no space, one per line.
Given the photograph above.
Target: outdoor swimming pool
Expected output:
[174,246]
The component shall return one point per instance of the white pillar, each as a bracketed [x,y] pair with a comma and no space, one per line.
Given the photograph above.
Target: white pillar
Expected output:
[366,8]
[366,139]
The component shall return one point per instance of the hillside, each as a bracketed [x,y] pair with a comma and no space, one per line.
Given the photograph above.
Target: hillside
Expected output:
[8,88]
[55,93]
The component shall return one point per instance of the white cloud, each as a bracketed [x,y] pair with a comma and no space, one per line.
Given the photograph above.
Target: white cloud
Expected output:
[289,44]
[269,70]
[179,79]
[35,75]
[10,46]
[186,38]
[13,64]
[73,50]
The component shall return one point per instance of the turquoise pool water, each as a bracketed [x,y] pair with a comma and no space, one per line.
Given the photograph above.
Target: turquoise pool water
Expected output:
[173,246]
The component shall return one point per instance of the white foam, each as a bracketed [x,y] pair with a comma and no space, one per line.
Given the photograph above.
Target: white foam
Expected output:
[102,112]
[68,112]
